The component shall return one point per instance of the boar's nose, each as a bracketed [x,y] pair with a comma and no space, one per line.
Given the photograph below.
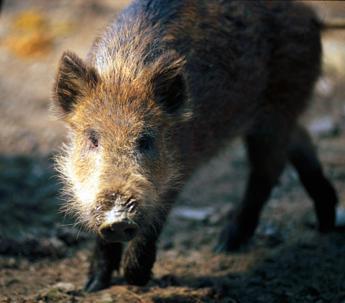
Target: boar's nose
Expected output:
[119,231]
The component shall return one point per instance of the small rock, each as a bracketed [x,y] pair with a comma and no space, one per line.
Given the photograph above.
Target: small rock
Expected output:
[271,234]
[340,217]
[324,87]
[65,287]
[197,214]
[52,295]
[106,298]
[59,292]
[324,126]
[269,230]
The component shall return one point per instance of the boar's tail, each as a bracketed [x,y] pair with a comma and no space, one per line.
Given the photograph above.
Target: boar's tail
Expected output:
[338,23]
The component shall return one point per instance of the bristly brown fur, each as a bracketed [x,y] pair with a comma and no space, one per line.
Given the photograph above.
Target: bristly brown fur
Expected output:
[75,80]
[164,89]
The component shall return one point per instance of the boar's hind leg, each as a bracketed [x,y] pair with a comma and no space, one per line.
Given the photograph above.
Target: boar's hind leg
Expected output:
[303,157]
[267,154]
[106,258]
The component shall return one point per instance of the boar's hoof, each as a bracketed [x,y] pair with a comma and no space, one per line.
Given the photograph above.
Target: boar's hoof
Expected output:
[96,283]
[231,239]
[137,276]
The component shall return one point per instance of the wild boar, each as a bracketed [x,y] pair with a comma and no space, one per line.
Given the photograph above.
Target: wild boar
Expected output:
[164,89]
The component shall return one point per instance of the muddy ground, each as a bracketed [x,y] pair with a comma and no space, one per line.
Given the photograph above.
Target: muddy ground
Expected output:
[43,257]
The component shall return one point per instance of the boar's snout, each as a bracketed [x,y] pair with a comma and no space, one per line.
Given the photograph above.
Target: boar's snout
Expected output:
[118,225]
[118,231]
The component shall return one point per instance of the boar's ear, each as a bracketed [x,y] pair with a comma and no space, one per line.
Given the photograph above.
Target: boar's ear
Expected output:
[169,85]
[74,80]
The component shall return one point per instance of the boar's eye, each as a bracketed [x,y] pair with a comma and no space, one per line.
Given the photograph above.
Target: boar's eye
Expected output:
[93,138]
[146,144]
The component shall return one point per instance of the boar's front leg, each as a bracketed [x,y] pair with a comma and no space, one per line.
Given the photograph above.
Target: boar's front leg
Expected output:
[267,154]
[139,259]
[106,258]
[140,255]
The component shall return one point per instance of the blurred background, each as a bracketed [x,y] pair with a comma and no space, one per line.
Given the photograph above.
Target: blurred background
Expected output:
[43,256]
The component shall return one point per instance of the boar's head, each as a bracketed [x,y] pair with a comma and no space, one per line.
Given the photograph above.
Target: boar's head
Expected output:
[121,157]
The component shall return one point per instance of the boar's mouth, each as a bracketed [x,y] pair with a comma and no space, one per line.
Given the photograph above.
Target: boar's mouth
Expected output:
[118,224]
[115,218]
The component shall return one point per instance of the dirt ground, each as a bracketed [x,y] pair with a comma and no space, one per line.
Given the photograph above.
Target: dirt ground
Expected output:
[44,258]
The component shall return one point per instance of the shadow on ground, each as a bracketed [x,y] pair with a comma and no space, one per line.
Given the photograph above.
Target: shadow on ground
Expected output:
[32,224]
[312,270]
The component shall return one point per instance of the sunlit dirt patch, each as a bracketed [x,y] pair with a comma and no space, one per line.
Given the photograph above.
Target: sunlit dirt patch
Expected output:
[32,34]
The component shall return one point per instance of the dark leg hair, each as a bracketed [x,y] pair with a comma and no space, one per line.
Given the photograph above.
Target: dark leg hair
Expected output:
[303,157]
[139,259]
[106,259]
[140,255]
[267,154]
